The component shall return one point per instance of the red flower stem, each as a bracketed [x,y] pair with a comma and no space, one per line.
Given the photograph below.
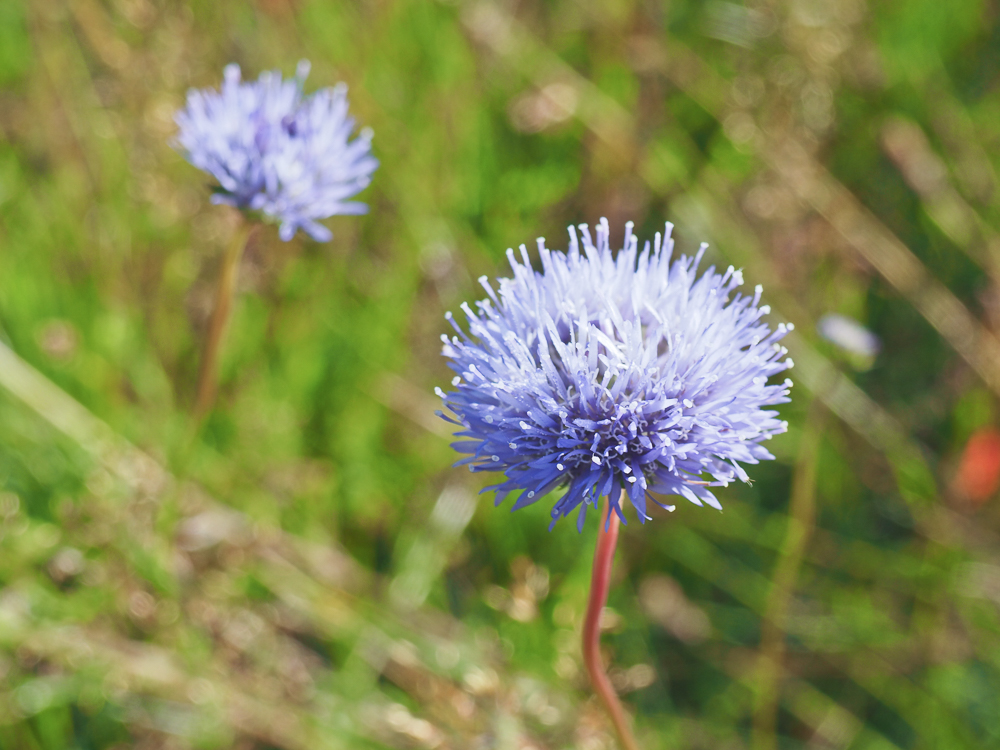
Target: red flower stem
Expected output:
[600,581]
[208,372]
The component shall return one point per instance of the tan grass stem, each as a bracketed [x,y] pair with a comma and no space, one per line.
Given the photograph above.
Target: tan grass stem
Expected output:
[224,296]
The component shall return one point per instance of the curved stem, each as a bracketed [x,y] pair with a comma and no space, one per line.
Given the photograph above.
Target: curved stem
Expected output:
[600,581]
[208,372]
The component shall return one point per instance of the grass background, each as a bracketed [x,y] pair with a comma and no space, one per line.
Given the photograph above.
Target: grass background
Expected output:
[309,571]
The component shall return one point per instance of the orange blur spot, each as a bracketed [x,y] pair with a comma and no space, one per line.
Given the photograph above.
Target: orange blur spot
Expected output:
[978,476]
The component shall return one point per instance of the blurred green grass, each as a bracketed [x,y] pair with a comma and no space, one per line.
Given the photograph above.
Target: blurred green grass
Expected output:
[310,571]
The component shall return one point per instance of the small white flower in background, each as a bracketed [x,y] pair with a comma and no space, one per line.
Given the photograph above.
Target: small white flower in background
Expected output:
[849,335]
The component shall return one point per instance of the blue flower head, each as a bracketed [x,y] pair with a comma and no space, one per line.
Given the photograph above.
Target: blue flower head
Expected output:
[276,151]
[605,372]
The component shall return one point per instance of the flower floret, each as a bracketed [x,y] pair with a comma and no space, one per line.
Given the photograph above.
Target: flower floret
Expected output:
[607,372]
[274,150]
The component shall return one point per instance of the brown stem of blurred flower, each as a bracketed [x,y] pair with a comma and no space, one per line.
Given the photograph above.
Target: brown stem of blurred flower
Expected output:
[801,521]
[208,372]
[600,581]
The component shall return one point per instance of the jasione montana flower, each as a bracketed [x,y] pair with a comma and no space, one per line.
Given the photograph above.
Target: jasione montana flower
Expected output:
[276,151]
[605,372]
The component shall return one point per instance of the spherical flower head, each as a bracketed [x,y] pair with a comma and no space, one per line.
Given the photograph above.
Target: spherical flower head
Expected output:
[607,372]
[276,151]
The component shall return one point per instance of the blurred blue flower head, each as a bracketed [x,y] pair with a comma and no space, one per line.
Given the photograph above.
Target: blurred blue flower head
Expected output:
[605,372]
[276,151]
